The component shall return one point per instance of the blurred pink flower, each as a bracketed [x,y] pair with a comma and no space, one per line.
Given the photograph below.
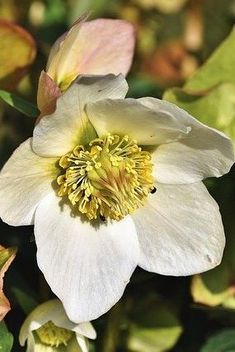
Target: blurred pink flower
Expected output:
[96,47]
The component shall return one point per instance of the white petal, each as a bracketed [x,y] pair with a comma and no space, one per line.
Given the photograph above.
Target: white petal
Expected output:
[85,329]
[87,266]
[129,116]
[74,346]
[53,310]
[204,152]
[24,180]
[95,87]
[60,132]
[31,346]
[25,335]
[83,343]
[35,345]
[180,230]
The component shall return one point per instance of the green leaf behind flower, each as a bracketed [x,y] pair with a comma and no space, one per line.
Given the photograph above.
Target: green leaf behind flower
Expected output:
[209,94]
[155,326]
[6,338]
[219,68]
[25,299]
[224,341]
[19,104]
[216,109]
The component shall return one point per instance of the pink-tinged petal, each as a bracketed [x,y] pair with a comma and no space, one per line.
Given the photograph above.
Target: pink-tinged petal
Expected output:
[56,46]
[4,306]
[110,50]
[47,94]
[6,258]
[114,47]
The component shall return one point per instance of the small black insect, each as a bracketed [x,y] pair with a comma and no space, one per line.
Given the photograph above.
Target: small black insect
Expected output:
[153,190]
[102,218]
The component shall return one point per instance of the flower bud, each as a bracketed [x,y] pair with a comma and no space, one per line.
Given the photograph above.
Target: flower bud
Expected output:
[97,47]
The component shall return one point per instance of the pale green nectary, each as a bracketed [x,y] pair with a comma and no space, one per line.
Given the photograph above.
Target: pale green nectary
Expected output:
[111,183]
[48,329]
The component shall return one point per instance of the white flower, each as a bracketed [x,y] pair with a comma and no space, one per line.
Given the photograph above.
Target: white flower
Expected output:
[48,329]
[112,183]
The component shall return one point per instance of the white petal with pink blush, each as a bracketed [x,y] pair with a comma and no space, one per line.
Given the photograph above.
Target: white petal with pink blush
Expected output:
[74,54]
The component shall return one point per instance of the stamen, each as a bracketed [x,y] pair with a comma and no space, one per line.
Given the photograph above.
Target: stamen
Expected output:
[111,179]
[53,336]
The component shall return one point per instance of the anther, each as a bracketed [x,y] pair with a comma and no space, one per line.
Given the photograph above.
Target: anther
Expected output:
[109,179]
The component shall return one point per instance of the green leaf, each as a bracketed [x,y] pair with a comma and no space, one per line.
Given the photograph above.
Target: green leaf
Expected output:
[213,288]
[215,109]
[154,326]
[23,293]
[6,338]
[55,12]
[209,95]
[25,298]
[80,7]
[19,104]
[219,68]
[224,341]
[140,86]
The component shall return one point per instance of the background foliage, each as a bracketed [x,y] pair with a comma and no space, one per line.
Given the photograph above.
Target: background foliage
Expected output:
[175,38]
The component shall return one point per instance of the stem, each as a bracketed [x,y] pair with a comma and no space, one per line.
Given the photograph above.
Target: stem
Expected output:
[112,329]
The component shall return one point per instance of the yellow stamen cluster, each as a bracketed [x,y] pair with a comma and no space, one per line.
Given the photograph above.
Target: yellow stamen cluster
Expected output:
[54,336]
[111,179]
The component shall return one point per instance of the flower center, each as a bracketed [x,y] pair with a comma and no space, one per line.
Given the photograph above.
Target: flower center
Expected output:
[110,179]
[52,335]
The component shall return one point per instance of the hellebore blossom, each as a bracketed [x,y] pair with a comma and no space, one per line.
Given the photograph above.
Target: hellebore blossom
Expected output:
[7,255]
[112,183]
[110,51]
[48,329]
